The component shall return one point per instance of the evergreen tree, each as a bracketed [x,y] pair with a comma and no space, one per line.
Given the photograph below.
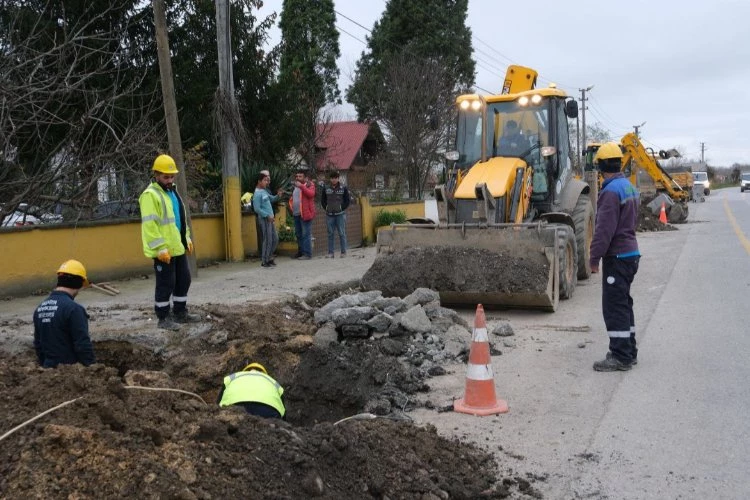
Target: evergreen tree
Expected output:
[429,30]
[308,76]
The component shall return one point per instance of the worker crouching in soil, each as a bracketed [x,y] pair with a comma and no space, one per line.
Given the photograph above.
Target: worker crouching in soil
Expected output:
[253,389]
[61,327]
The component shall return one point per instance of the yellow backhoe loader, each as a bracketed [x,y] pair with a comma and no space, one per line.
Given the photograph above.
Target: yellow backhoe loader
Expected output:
[515,224]
[637,157]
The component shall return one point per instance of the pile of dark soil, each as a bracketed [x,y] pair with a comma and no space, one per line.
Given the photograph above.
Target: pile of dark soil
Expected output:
[647,221]
[120,442]
[456,269]
[337,382]
[115,442]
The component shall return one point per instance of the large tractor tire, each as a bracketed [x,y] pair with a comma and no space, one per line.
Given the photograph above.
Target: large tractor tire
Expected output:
[567,261]
[583,218]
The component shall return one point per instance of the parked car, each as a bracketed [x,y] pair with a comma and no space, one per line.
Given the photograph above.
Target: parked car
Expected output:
[26,215]
[128,209]
[18,218]
[744,181]
[702,178]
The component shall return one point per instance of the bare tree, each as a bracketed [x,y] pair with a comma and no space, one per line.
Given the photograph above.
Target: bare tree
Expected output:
[75,122]
[415,110]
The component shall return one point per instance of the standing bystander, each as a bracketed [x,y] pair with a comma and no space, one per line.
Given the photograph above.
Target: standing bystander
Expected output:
[335,200]
[616,245]
[262,204]
[302,204]
[258,231]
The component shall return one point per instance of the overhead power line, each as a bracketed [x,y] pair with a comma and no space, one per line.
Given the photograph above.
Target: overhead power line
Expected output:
[386,39]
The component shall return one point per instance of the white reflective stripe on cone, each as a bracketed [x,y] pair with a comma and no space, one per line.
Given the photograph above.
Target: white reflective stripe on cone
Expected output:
[479,372]
[480,335]
[619,335]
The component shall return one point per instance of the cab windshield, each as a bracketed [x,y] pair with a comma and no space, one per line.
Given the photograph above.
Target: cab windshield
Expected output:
[746,177]
[511,130]
[700,176]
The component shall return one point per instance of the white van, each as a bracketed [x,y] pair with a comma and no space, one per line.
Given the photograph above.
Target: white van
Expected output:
[702,178]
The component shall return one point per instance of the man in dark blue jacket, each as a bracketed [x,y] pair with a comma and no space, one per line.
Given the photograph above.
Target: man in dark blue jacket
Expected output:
[616,245]
[61,327]
[335,201]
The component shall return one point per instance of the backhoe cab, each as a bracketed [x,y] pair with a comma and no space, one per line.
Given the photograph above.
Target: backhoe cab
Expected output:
[518,146]
[512,215]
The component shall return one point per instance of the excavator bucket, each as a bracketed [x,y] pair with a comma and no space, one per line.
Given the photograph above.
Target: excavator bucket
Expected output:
[502,265]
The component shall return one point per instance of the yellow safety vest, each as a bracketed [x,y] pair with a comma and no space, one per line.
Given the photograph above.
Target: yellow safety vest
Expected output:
[158,228]
[252,387]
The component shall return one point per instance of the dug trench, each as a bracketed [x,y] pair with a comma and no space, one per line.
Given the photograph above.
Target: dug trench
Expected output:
[347,432]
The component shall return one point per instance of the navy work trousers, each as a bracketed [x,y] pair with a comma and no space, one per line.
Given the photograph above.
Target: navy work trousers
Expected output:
[617,306]
[172,281]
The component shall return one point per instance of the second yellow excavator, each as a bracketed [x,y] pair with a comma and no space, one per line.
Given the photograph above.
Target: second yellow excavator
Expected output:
[637,157]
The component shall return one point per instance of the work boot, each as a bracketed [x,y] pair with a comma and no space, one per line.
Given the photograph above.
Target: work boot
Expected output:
[634,362]
[168,324]
[611,364]
[186,317]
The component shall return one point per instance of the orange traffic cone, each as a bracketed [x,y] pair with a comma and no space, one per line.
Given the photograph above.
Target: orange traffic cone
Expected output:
[479,396]
[663,214]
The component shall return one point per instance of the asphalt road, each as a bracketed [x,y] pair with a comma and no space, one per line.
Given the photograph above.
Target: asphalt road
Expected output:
[676,426]
[681,419]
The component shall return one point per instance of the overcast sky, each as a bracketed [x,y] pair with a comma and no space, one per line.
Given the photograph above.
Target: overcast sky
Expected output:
[681,67]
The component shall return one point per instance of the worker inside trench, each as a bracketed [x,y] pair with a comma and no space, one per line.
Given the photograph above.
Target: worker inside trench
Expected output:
[322,383]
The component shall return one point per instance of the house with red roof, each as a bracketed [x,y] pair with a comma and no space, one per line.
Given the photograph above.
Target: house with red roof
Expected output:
[352,148]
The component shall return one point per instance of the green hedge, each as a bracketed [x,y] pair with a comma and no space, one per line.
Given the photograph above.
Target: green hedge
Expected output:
[386,217]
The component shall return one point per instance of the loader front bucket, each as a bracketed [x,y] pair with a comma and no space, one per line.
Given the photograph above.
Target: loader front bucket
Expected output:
[501,265]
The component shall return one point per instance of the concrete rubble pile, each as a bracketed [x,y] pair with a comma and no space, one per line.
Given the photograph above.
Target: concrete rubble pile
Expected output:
[416,328]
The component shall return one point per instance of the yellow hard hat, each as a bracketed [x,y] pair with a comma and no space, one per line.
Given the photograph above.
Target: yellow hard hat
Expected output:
[246,197]
[165,164]
[74,268]
[255,366]
[608,151]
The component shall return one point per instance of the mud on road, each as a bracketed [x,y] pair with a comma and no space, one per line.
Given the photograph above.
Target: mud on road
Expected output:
[118,441]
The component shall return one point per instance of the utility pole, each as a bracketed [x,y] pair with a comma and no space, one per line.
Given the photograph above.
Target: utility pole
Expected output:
[703,152]
[578,142]
[170,113]
[591,177]
[235,250]
[637,127]
[583,113]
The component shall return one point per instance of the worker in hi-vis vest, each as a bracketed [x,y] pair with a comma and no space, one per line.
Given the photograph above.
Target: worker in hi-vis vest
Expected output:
[166,240]
[253,389]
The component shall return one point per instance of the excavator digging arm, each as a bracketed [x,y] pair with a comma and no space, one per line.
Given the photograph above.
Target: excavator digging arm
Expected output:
[635,151]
